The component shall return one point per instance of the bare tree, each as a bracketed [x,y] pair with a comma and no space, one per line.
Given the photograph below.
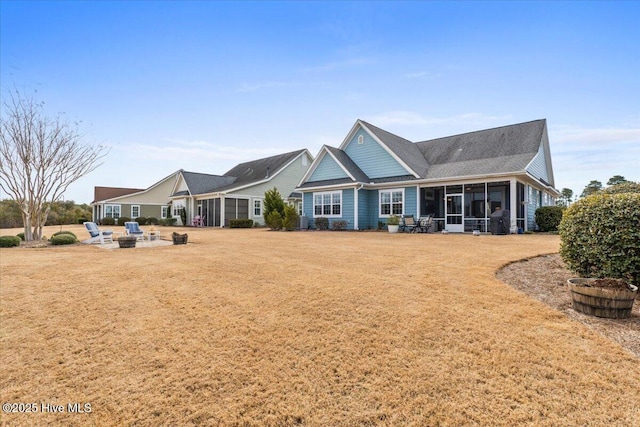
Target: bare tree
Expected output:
[40,157]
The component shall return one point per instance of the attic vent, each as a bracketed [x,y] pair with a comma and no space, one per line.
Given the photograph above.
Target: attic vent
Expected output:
[268,172]
[360,139]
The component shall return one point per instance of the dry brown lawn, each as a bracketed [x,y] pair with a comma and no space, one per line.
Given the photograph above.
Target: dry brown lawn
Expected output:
[252,327]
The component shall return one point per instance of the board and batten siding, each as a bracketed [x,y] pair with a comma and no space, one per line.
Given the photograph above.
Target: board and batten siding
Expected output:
[327,169]
[538,166]
[372,158]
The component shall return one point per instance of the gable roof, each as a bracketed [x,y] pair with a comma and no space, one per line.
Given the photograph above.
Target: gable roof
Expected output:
[106,193]
[348,164]
[199,183]
[243,174]
[406,150]
[498,150]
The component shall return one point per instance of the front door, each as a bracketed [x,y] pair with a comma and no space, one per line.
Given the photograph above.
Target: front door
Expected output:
[455,223]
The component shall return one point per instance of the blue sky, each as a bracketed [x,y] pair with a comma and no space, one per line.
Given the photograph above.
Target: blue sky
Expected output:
[203,86]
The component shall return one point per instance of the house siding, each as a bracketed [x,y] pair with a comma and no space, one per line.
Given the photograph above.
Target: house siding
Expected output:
[538,166]
[374,160]
[348,208]
[327,169]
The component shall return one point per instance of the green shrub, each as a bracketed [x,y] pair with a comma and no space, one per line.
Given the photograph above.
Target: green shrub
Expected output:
[82,220]
[273,202]
[63,239]
[600,236]
[152,220]
[141,220]
[168,221]
[21,236]
[58,233]
[625,187]
[322,223]
[290,220]
[548,217]
[107,221]
[274,220]
[9,241]
[340,225]
[123,219]
[240,223]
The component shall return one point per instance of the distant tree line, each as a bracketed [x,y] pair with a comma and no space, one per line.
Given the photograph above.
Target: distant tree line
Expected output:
[594,186]
[63,212]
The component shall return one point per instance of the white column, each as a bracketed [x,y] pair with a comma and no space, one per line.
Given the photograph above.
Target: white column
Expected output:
[513,205]
[222,211]
[417,201]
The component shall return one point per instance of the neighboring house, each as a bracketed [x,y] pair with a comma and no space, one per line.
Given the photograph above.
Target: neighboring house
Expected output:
[239,193]
[459,180]
[113,202]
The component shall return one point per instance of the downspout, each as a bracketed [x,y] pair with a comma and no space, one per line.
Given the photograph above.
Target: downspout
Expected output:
[356,225]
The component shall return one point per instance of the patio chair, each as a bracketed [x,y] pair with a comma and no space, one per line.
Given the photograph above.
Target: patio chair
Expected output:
[408,223]
[97,235]
[424,224]
[133,229]
[197,221]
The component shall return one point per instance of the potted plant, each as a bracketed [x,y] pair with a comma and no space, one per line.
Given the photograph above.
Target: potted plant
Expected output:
[393,223]
[127,241]
[599,241]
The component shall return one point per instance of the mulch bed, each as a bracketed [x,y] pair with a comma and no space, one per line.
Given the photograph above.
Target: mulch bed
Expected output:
[545,279]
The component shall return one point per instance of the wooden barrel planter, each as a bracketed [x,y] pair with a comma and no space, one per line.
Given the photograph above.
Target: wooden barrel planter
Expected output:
[127,241]
[601,302]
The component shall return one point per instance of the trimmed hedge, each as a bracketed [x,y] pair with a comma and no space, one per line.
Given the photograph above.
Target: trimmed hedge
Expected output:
[107,221]
[152,220]
[63,239]
[600,236]
[9,241]
[123,219]
[141,220]
[168,221]
[548,217]
[240,223]
[58,233]
[21,236]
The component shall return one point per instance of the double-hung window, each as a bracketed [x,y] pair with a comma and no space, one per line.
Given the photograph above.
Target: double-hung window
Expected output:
[257,207]
[391,202]
[164,212]
[135,211]
[327,204]
[112,211]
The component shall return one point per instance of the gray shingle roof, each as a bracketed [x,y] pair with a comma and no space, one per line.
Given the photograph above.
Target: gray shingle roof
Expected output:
[240,175]
[349,164]
[258,170]
[498,150]
[199,183]
[406,150]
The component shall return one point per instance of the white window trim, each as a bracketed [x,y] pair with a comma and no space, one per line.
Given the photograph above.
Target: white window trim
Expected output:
[390,190]
[322,194]
[254,208]
[164,212]
[132,215]
[112,209]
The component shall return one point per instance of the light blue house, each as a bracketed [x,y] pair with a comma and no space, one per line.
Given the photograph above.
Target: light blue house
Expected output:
[458,180]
